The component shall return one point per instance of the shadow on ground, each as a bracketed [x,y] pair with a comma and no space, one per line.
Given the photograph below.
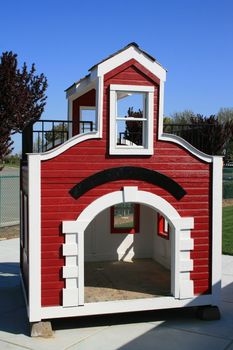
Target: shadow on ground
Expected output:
[13,316]
[138,330]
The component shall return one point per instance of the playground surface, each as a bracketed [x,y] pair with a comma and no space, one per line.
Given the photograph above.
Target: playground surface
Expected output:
[176,329]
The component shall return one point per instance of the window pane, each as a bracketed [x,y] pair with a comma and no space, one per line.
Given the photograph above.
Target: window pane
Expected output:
[130,104]
[129,133]
[87,120]
[124,215]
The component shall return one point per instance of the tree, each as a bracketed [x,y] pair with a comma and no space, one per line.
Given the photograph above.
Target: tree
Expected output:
[225,114]
[133,130]
[58,132]
[22,99]
[184,117]
[208,134]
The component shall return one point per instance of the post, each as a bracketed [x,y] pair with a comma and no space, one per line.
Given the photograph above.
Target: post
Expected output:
[27,140]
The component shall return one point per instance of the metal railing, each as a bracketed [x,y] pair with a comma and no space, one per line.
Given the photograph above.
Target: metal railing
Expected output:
[130,138]
[44,135]
[197,135]
[9,200]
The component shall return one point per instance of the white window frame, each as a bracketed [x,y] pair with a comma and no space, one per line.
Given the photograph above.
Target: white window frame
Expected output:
[147,149]
[85,108]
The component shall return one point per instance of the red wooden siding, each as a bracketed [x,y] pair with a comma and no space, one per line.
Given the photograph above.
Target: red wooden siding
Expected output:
[60,174]
[87,99]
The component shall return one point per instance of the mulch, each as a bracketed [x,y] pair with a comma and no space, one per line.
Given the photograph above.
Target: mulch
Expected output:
[13,231]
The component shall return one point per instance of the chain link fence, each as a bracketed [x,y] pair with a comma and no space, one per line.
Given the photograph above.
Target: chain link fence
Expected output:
[228,182]
[9,200]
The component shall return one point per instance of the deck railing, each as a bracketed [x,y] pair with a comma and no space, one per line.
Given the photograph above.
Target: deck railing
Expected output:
[198,135]
[44,135]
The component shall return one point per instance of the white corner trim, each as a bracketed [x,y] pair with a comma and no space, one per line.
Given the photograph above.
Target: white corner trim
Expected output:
[161,109]
[128,54]
[70,118]
[99,105]
[34,230]
[217,227]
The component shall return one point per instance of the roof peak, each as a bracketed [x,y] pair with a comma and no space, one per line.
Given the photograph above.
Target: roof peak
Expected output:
[134,44]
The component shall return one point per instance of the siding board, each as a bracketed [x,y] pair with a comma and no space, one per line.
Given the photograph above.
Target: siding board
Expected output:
[60,174]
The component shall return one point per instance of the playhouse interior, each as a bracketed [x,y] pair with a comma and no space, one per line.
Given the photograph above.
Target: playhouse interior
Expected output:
[127,256]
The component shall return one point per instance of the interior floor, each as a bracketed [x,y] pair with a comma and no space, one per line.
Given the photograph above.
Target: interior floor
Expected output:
[120,280]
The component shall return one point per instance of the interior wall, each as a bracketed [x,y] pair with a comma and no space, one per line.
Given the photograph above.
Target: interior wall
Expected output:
[101,245]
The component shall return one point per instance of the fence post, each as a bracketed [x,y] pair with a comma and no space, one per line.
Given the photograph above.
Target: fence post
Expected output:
[27,140]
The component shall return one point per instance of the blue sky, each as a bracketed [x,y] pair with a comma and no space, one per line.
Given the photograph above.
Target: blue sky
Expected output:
[192,39]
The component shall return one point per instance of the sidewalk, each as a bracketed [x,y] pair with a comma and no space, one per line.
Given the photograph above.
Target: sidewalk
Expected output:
[166,330]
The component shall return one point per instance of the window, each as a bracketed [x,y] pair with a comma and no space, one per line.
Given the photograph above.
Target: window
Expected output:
[125,218]
[162,227]
[131,119]
[87,119]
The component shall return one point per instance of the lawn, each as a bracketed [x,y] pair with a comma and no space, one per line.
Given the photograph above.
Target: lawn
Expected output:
[227,231]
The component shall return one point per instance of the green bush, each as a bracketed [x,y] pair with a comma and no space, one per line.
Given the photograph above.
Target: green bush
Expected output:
[227,189]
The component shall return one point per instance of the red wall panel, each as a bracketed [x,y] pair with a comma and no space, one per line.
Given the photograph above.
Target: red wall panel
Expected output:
[60,174]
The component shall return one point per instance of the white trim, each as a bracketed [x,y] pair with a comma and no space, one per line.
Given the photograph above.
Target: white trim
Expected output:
[69,249]
[88,108]
[174,138]
[81,88]
[178,226]
[134,88]
[217,227]
[147,148]
[118,306]
[128,54]
[161,109]
[186,145]
[99,105]
[70,118]
[66,145]
[34,229]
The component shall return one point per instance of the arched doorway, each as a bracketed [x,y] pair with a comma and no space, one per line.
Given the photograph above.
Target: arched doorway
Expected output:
[181,243]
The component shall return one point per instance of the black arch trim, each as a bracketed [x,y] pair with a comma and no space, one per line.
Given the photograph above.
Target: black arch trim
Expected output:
[128,173]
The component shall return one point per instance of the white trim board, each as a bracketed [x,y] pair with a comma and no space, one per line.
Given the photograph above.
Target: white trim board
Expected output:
[181,241]
[119,306]
[34,236]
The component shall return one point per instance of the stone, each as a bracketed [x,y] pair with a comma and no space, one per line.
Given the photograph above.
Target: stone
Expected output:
[41,329]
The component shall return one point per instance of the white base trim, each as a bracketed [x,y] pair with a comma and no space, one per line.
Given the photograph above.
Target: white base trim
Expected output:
[119,306]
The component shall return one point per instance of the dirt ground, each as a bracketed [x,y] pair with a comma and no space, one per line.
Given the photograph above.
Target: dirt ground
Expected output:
[121,280]
[9,232]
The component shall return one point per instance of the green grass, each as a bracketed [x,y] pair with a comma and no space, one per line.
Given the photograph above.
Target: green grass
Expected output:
[227,231]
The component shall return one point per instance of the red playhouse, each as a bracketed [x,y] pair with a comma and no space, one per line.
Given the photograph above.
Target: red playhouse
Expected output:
[117,216]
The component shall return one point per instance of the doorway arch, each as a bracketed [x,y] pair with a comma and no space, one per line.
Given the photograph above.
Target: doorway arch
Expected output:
[181,243]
